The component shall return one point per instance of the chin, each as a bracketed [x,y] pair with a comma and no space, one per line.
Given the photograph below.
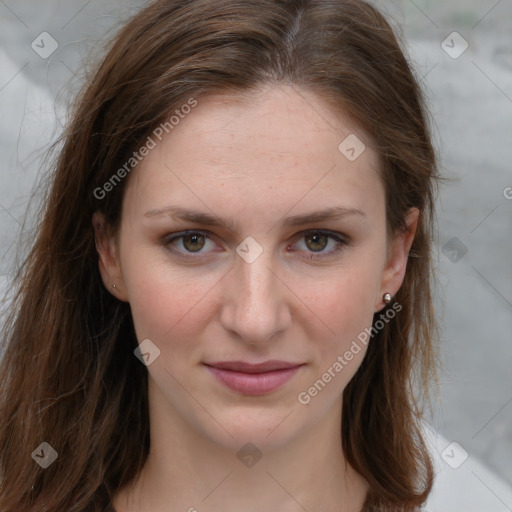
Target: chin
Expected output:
[263,427]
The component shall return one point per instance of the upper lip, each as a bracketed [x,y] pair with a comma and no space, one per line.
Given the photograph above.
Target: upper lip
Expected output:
[242,366]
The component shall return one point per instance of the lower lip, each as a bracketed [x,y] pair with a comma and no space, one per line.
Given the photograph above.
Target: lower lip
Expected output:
[254,383]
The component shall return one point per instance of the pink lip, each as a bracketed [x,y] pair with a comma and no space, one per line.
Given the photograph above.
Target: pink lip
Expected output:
[253,379]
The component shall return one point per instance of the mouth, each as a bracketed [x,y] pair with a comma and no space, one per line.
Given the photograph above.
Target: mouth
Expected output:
[253,379]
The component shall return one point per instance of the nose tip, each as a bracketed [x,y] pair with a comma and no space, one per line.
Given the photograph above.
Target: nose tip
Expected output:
[255,305]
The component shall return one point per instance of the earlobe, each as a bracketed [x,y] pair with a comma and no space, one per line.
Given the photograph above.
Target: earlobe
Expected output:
[108,263]
[394,271]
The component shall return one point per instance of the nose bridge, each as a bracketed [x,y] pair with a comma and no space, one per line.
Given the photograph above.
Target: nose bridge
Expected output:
[255,301]
[258,280]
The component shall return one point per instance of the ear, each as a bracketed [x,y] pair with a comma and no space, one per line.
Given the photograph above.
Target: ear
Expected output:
[398,254]
[108,261]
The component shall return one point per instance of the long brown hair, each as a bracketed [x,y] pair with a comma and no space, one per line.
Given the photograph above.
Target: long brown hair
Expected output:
[69,377]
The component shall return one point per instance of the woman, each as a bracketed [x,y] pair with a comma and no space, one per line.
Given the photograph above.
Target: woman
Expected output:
[228,300]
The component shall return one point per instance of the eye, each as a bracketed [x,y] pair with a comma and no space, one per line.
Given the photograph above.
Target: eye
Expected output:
[318,240]
[190,244]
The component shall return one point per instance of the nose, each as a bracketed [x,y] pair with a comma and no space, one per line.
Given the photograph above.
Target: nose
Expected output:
[255,304]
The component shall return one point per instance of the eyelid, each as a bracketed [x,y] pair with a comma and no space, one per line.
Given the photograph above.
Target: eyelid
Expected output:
[167,240]
[341,239]
[333,234]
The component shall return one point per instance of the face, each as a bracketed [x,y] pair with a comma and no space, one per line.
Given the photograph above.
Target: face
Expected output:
[248,278]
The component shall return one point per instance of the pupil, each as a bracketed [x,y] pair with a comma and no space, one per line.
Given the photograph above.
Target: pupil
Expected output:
[315,238]
[194,239]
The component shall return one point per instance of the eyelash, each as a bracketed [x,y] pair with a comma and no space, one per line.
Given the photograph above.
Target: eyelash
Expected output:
[342,242]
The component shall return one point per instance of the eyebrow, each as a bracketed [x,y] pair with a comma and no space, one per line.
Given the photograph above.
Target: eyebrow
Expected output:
[197,217]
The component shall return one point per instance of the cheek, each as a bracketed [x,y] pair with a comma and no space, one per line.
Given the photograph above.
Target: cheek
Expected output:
[172,306]
[346,303]
[164,303]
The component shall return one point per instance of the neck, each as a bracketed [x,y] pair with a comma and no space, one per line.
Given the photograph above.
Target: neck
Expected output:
[187,471]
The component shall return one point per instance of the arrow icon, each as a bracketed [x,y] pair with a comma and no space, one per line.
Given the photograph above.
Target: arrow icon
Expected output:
[351,147]
[44,45]
[45,455]
[454,45]
[454,249]
[147,352]
[249,249]
[249,455]
[454,455]
[452,255]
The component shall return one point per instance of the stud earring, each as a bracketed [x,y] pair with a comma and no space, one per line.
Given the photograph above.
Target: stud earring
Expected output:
[386,298]
[115,287]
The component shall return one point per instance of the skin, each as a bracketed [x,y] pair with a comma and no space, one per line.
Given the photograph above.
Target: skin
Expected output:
[256,159]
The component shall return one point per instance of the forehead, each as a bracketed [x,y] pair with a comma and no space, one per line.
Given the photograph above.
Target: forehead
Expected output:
[279,145]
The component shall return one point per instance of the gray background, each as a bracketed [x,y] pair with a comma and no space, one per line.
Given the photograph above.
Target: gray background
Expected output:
[470,99]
